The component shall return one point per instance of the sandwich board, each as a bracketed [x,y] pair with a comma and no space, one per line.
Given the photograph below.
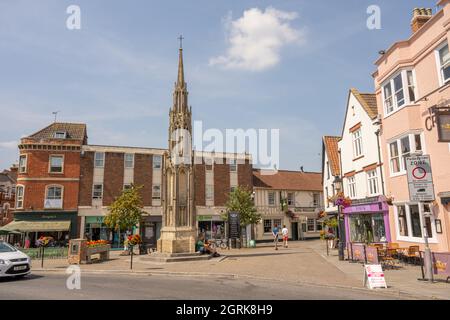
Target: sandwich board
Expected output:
[374,276]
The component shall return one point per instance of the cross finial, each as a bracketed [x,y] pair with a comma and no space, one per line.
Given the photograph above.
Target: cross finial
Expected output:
[181,41]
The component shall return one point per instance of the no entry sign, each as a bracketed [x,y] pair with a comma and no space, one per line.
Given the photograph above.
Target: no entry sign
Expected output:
[420,179]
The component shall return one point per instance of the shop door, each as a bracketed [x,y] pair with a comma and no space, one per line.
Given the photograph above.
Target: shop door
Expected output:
[149,234]
[294,231]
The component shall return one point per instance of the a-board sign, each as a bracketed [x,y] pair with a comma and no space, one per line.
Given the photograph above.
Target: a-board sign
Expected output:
[374,276]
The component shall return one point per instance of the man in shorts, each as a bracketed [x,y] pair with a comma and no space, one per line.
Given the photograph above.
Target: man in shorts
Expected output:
[285,233]
[275,236]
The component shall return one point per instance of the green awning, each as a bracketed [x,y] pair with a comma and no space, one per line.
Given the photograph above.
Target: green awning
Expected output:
[37,226]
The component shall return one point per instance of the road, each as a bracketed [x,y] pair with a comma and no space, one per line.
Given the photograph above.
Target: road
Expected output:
[118,287]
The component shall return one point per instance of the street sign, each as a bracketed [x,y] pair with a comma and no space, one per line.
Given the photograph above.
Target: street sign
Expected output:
[234,225]
[374,276]
[420,179]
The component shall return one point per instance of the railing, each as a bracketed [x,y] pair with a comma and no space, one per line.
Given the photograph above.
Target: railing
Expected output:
[49,253]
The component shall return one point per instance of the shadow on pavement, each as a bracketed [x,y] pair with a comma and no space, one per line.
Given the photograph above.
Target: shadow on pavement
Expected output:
[22,278]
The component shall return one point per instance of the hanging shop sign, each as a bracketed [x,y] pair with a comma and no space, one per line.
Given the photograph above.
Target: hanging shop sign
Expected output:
[420,179]
[374,276]
[443,125]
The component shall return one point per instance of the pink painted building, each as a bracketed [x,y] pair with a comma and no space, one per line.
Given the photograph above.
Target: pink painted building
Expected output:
[412,86]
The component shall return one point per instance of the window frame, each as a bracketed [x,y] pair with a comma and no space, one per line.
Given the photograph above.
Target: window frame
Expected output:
[439,66]
[266,226]
[22,187]
[209,192]
[372,181]
[351,182]
[401,155]
[268,198]
[50,163]
[154,162]
[233,165]
[357,142]
[26,163]
[47,188]
[154,197]
[125,161]
[93,191]
[102,160]
[292,201]
[405,90]
[410,237]
[55,136]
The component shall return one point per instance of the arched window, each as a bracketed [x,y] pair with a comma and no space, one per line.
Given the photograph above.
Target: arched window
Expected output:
[53,197]
[20,194]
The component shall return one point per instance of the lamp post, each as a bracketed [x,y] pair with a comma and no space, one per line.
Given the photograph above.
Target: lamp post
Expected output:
[338,187]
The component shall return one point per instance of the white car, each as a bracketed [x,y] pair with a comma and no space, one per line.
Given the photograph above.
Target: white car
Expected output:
[13,263]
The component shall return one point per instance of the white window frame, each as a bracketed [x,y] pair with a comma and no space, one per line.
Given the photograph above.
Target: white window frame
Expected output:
[410,238]
[127,161]
[357,143]
[292,202]
[372,182]
[20,198]
[50,163]
[154,162]
[274,198]
[47,188]
[26,163]
[412,146]
[102,159]
[209,192]
[156,195]
[93,191]
[351,181]
[442,81]
[64,133]
[405,89]
[233,165]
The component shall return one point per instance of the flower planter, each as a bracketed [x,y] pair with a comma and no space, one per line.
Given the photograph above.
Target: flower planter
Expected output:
[103,250]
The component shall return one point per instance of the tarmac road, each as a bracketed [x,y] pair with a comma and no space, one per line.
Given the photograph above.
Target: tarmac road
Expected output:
[140,286]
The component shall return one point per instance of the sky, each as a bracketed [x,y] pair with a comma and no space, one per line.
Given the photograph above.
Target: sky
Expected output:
[284,65]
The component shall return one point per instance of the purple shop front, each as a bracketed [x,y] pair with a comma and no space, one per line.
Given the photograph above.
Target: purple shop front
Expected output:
[367,221]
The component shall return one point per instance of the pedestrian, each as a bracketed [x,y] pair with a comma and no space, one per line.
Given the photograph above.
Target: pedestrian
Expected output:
[275,236]
[27,242]
[285,233]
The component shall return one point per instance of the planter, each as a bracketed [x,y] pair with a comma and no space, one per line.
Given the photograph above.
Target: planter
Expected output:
[98,249]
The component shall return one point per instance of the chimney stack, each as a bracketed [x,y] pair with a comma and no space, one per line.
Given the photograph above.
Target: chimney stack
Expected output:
[420,17]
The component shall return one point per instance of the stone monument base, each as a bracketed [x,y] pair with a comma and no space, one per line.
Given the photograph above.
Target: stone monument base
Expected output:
[176,257]
[177,240]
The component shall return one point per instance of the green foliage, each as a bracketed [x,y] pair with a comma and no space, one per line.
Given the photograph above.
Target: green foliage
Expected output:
[126,211]
[332,223]
[240,200]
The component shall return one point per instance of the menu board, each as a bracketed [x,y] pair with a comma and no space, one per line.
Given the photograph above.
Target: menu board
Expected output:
[374,276]
[234,224]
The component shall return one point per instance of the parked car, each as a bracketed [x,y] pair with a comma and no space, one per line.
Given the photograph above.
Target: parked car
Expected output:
[13,263]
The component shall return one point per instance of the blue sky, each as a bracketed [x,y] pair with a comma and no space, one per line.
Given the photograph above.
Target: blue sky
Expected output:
[116,73]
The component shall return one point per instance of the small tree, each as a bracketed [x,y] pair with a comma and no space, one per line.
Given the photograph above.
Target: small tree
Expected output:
[126,211]
[241,201]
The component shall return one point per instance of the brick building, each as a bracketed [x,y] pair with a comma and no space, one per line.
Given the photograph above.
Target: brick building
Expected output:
[8,179]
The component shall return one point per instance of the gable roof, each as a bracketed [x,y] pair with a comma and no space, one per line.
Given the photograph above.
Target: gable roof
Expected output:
[8,176]
[74,131]
[288,180]
[368,101]
[331,148]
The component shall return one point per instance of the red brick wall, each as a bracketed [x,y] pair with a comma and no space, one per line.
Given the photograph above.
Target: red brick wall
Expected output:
[86,178]
[113,177]
[38,167]
[143,176]
[199,184]
[245,175]
[221,183]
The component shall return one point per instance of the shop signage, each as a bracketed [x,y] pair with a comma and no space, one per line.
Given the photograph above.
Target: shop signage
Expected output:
[374,276]
[443,125]
[420,180]
[234,224]
[94,219]
[209,218]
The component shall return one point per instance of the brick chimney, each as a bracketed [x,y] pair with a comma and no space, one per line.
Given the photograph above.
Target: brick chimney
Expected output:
[420,17]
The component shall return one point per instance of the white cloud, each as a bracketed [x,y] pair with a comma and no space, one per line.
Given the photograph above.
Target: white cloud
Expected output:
[9,144]
[256,39]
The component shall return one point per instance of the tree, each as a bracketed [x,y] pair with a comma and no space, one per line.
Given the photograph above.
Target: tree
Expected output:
[126,211]
[241,201]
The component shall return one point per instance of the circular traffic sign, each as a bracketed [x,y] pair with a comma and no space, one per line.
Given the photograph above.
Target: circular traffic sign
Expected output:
[419,173]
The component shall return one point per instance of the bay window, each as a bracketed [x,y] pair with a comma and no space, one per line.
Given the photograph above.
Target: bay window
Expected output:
[402,148]
[413,220]
[399,91]
[23,163]
[19,197]
[444,64]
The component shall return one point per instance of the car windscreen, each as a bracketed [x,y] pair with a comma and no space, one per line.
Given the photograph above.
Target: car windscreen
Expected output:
[4,247]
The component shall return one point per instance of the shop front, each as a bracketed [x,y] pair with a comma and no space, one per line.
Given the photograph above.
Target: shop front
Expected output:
[150,229]
[212,226]
[95,229]
[367,221]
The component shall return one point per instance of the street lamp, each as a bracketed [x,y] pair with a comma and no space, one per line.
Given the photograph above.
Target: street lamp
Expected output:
[338,187]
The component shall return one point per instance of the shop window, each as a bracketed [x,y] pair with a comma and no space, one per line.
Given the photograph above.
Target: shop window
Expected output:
[129,160]
[157,162]
[56,164]
[23,163]
[310,225]
[97,191]
[318,226]
[99,159]
[271,198]
[415,221]
[267,226]
[402,222]
[277,222]
[367,228]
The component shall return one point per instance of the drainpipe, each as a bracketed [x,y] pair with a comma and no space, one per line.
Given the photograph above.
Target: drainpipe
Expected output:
[379,160]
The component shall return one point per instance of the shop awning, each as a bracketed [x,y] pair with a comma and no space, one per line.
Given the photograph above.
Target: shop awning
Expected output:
[37,226]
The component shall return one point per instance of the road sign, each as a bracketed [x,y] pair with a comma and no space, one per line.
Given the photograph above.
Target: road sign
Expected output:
[420,179]
[374,276]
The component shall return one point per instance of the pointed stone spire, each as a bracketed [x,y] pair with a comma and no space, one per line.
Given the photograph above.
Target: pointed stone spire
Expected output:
[180,79]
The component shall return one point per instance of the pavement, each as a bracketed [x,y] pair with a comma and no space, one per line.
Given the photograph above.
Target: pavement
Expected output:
[303,263]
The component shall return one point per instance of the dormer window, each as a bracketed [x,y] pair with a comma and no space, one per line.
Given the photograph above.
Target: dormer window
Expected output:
[60,135]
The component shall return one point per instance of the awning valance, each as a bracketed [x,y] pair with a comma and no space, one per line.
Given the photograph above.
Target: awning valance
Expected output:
[37,226]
